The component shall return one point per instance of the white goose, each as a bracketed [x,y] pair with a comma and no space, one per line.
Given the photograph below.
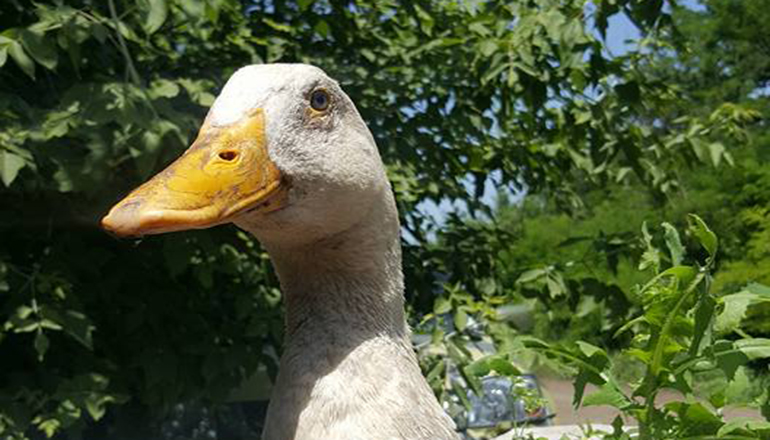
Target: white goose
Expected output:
[284,154]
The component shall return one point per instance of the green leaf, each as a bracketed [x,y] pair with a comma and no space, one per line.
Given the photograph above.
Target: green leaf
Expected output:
[96,404]
[702,331]
[39,48]
[705,236]
[50,325]
[590,350]
[717,152]
[531,275]
[760,291]
[479,28]
[756,348]
[651,256]
[41,345]
[556,285]
[304,4]
[503,366]
[650,259]
[479,367]
[739,388]
[280,27]
[10,165]
[3,55]
[73,323]
[16,51]
[163,88]
[728,358]
[472,381]
[460,319]
[673,243]
[457,352]
[685,274]
[100,32]
[126,31]
[436,372]
[461,394]
[608,394]
[742,423]
[697,417]
[4,287]
[733,313]
[49,426]
[487,47]
[442,305]
[156,16]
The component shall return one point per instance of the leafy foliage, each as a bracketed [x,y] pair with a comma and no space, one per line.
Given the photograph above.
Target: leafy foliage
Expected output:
[677,341]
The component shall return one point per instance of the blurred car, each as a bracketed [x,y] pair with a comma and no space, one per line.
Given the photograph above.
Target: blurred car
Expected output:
[499,403]
[504,401]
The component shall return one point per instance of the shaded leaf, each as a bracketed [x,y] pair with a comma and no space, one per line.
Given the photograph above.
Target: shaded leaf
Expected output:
[304,4]
[16,51]
[728,358]
[479,367]
[705,236]
[39,48]
[41,345]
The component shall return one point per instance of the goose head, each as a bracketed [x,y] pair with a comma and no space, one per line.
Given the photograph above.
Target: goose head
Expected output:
[282,153]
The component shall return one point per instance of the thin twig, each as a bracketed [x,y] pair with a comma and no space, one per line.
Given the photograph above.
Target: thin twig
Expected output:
[123,46]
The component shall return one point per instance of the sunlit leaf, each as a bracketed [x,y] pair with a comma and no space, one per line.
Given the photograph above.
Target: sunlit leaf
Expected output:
[673,243]
[158,12]
[10,165]
[732,314]
[608,394]
[756,348]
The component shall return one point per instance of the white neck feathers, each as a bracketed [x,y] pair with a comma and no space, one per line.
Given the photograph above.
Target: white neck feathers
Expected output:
[348,370]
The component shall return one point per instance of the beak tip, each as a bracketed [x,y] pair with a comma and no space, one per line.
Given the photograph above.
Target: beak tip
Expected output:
[123,221]
[135,220]
[112,225]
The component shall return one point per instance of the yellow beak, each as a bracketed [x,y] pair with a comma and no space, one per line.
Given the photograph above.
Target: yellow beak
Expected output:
[225,172]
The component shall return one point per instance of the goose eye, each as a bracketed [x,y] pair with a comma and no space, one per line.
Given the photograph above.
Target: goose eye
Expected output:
[319,100]
[228,156]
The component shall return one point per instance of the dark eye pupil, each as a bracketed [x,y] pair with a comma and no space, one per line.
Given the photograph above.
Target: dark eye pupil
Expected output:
[319,100]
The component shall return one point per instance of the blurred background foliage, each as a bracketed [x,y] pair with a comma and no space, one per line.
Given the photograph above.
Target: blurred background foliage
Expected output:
[523,98]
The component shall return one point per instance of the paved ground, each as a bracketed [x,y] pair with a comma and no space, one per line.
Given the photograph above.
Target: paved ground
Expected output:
[560,392]
[559,432]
